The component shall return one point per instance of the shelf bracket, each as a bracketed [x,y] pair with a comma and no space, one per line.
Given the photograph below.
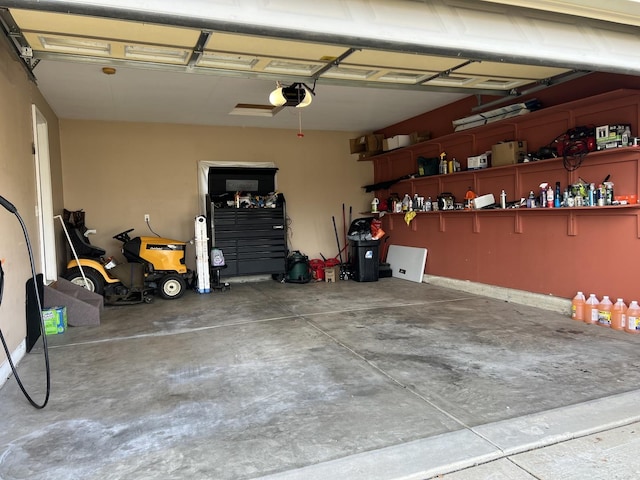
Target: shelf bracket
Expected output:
[572,225]
[517,223]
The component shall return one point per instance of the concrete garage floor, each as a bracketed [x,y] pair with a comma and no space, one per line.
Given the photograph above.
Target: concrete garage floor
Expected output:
[344,380]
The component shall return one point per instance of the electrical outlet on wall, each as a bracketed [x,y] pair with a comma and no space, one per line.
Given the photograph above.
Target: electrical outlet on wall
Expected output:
[146,218]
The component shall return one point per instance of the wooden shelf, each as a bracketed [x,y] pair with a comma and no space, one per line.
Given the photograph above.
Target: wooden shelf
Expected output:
[601,209]
[544,250]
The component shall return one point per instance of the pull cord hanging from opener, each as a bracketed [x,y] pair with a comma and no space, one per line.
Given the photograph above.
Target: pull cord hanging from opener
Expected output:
[300,134]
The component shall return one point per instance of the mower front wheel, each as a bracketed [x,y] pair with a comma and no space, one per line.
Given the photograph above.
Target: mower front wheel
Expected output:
[172,286]
[95,282]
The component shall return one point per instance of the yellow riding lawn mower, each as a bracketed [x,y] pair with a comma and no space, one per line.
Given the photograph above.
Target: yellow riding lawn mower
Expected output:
[154,265]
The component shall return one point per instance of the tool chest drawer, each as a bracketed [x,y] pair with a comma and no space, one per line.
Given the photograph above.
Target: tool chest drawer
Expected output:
[253,240]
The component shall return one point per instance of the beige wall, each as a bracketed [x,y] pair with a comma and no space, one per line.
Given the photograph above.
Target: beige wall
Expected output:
[17,185]
[118,171]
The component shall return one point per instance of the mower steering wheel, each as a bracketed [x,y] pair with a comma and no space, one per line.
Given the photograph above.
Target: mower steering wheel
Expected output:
[123,236]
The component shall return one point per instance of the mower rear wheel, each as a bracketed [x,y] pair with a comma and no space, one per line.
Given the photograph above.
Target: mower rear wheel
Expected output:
[95,282]
[172,286]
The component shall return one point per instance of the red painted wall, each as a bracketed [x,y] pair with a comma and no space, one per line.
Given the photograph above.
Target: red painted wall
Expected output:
[549,251]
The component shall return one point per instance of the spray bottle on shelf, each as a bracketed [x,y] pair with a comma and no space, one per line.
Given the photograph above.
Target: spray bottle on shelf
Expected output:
[591,309]
[550,197]
[619,315]
[543,194]
[443,163]
[577,307]
[604,312]
[633,318]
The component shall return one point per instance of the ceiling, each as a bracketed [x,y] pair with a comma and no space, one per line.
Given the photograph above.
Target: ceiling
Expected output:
[370,63]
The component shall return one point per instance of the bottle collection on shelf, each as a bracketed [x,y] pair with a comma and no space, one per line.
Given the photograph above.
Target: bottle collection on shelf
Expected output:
[580,194]
[606,313]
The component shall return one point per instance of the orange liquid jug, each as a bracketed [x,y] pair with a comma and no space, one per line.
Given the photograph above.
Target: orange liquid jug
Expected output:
[604,312]
[619,315]
[633,318]
[591,309]
[577,307]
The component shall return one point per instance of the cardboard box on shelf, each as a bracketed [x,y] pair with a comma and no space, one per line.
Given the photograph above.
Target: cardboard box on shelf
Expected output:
[613,136]
[508,153]
[366,143]
[417,137]
[397,141]
[479,161]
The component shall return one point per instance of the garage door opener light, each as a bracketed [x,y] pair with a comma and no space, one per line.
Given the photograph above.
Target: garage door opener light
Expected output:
[295,95]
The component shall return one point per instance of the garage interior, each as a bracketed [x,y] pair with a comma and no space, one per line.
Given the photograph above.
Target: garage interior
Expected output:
[385,379]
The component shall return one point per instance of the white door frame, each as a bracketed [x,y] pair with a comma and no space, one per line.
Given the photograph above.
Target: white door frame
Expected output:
[44,206]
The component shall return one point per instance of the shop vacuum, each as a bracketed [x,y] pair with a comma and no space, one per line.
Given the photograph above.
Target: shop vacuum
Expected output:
[298,268]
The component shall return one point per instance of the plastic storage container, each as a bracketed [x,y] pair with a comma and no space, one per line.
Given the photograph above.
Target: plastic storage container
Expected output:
[577,307]
[619,315]
[604,311]
[364,255]
[591,309]
[633,318]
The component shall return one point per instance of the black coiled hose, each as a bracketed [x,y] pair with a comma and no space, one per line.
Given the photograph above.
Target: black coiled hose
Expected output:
[11,208]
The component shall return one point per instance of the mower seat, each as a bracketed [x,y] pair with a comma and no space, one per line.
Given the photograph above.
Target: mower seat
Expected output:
[81,244]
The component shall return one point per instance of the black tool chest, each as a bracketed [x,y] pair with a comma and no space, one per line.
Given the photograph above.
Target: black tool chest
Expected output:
[253,240]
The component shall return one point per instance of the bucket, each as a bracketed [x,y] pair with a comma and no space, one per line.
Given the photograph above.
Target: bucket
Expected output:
[317,269]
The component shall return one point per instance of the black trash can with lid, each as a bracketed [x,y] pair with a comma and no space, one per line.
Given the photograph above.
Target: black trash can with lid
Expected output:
[364,259]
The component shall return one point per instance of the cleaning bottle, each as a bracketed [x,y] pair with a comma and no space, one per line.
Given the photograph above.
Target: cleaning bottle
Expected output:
[604,312]
[406,201]
[428,205]
[591,309]
[443,164]
[619,315]
[557,199]
[503,199]
[531,201]
[633,318]
[577,307]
